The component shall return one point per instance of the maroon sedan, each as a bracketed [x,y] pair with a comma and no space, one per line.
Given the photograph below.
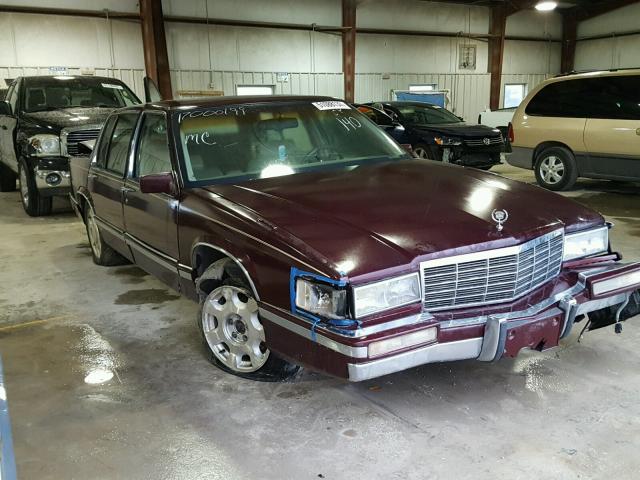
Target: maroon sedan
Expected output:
[309,237]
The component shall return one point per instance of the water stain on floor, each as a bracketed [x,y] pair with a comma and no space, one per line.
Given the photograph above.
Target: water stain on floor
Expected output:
[130,275]
[611,204]
[145,296]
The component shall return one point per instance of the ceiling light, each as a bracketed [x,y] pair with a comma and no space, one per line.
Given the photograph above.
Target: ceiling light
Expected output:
[546,6]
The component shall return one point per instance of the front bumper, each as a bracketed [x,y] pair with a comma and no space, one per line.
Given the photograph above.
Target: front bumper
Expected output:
[485,337]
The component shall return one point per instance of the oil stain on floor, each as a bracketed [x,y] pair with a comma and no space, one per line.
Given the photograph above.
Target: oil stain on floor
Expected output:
[131,275]
[145,296]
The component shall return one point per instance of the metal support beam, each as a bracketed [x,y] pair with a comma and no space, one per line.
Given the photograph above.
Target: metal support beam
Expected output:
[497,26]
[154,43]
[569,36]
[349,48]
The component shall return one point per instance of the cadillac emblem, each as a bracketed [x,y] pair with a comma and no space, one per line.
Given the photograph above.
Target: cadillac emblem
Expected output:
[486,141]
[499,216]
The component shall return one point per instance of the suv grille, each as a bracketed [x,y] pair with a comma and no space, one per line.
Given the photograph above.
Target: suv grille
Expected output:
[493,276]
[479,142]
[74,137]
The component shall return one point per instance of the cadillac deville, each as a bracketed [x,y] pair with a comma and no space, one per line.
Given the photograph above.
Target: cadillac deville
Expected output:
[309,237]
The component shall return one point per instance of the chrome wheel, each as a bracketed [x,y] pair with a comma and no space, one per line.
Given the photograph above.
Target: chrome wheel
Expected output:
[233,330]
[552,169]
[24,187]
[421,153]
[93,233]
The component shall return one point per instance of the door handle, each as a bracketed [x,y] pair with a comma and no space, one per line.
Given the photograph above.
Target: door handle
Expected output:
[127,190]
[637,131]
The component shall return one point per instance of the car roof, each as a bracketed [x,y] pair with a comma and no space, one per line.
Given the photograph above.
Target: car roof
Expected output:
[407,104]
[94,77]
[615,72]
[193,103]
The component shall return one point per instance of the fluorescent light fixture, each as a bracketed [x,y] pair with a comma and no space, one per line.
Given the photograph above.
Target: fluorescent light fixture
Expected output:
[546,6]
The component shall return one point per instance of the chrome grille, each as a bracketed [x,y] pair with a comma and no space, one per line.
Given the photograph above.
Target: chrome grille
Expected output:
[493,276]
[479,142]
[74,137]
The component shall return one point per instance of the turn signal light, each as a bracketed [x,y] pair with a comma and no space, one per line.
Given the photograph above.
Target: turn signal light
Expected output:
[510,133]
[402,341]
[626,281]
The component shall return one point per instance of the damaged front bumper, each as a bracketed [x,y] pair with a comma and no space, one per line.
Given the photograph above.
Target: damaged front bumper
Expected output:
[606,292]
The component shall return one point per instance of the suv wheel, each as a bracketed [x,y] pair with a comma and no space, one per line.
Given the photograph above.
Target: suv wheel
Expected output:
[556,169]
[7,179]
[34,204]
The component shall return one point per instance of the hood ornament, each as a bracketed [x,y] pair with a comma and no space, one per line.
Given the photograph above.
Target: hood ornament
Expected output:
[486,141]
[500,217]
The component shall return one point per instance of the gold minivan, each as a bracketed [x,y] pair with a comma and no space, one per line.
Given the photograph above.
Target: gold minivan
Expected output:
[579,125]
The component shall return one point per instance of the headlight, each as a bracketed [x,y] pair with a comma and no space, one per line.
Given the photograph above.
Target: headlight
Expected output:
[321,299]
[584,244]
[448,141]
[45,144]
[380,296]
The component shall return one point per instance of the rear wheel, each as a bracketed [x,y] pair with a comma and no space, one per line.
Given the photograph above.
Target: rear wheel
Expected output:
[102,253]
[7,179]
[234,336]
[34,204]
[556,169]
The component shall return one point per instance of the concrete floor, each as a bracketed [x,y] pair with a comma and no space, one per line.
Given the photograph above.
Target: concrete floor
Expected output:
[572,412]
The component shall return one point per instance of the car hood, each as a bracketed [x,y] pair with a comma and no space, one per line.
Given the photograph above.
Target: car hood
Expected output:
[462,130]
[392,216]
[68,117]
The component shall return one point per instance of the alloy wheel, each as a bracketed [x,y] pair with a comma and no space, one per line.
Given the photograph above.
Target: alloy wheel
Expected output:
[94,234]
[421,153]
[233,330]
[552,169]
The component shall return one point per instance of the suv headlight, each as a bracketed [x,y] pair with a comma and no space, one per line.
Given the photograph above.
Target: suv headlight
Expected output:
[587,243]
[447,141]
[45,144]
[322,300]
[380,296]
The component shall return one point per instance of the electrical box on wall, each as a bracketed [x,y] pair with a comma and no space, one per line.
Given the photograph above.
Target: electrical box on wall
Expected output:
[467,56]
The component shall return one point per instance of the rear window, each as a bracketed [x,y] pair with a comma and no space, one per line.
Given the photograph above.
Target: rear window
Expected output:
[602,97]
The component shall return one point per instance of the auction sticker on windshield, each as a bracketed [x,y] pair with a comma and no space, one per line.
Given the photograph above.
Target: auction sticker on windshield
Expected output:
[331,105]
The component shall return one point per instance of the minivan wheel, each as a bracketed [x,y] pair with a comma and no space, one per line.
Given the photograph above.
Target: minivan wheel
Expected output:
[556,169]
[234,337]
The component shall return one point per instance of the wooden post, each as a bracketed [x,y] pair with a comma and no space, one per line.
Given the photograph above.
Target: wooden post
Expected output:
[154,43]
[497,26]
[349,48]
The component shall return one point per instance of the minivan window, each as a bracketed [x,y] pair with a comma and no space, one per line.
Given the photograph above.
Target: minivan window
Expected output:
[614,97]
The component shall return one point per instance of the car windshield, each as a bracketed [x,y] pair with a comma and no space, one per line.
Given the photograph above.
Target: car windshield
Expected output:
[247,142]
[426,115]
[53,93]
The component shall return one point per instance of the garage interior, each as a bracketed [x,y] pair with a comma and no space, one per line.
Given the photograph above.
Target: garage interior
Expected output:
[566,413]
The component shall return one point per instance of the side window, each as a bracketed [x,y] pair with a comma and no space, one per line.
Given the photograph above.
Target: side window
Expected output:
[103,141]
[12,97]
[119,144]
[568,98]
[153,154]
[617,97]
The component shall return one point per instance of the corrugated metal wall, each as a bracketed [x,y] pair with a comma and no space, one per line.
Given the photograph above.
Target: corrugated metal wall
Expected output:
[131,76]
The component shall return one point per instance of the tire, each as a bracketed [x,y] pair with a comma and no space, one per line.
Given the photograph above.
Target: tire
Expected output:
[102,253]
[556,169]
[233,336]
[425,152]
[33,203]
[7,179]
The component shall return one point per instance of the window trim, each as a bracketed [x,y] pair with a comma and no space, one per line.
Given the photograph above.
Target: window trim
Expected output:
[124,172]
[135,144]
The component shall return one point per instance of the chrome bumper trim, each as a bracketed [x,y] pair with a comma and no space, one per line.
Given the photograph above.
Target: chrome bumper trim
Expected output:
[41,175]
[439,352]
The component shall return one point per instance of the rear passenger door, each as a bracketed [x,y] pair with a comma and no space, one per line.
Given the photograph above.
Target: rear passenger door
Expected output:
[151,218]
[106,177]
[612,132]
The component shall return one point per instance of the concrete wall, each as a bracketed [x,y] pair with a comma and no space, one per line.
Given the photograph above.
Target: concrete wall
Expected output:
[613,52]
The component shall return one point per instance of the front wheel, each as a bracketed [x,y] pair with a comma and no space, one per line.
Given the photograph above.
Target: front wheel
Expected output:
[556,169]
[102,253]
[234,336]
[425,152]
[33,202]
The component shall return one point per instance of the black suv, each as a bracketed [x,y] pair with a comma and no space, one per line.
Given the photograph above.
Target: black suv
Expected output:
[43,121]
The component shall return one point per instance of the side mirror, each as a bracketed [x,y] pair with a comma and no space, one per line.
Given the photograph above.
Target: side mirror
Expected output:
[5,108]
[157,183]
